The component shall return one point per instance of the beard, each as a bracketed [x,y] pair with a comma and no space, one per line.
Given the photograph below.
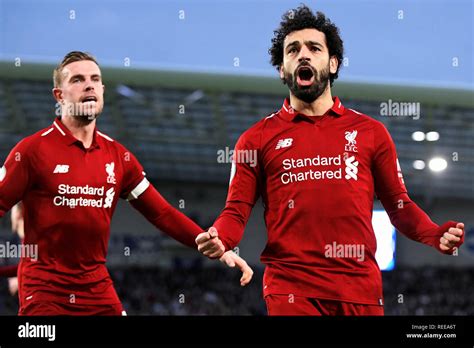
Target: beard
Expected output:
[84,120]
[308,94]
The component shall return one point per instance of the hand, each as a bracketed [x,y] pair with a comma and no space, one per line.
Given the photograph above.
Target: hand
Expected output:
[450,238]
[16,217]
[209,244]
[13,285]
[231,259]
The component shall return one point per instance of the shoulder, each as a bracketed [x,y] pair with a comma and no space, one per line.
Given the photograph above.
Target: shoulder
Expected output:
[360,117]
[379,133]
[33,141]
[31,146]
[110,142]
[120,151]
[106,137]
[253,134]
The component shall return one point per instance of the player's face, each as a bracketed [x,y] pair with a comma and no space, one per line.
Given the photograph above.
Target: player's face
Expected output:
[306,64]
[81,91]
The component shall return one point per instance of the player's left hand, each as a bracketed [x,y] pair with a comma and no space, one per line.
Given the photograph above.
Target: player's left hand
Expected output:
[450,238]
[231,259]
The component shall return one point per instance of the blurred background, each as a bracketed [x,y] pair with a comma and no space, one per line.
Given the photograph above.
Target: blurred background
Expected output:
[185,78]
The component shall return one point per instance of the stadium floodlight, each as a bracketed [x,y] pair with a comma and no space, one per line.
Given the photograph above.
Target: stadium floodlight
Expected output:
[437,164]
[419,164]
[418,136]
[432,136]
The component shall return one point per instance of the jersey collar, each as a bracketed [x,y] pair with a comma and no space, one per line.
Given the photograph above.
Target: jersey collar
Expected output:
[69,139]
[290,114]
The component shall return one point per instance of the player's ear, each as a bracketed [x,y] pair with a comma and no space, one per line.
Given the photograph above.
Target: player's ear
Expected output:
[333,64]
[282,72]
[57,94]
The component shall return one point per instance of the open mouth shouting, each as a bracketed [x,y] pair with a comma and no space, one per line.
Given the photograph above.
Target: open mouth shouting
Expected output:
[89,98]
[305,76]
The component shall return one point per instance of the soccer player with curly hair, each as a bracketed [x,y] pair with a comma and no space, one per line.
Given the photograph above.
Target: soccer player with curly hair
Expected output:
[319,166]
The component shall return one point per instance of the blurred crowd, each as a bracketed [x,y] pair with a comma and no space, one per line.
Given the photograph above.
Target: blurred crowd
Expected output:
[196,290]
[188,291]
[429,291]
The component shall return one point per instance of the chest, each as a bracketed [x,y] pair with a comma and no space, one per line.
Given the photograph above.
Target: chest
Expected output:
[74,170]
[318,146]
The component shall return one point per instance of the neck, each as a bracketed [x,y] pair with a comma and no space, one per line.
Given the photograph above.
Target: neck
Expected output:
[317,108]
[82,131]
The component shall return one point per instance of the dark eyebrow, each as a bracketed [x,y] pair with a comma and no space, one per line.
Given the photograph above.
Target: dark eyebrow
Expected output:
[313,43]
[309,42]
[294,43]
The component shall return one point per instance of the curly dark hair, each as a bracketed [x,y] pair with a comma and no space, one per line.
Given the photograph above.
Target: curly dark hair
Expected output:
[303,18]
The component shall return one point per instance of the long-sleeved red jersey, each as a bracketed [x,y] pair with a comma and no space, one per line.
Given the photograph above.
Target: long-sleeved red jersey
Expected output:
[69,194]
[317,177]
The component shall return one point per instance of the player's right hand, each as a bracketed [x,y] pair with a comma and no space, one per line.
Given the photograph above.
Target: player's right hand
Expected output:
[452,237]
[209,244]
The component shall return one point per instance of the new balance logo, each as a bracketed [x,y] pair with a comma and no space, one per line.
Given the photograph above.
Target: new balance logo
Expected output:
[61,169]
[284,143]
[351,168]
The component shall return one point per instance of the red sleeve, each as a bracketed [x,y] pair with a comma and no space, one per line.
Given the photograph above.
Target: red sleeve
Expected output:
[166,218]
[404,214]
[244,190]
[8,271]
[14,177]
[231,223]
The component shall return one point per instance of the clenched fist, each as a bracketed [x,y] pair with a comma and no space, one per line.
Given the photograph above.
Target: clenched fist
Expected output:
[209,244]
[451,237]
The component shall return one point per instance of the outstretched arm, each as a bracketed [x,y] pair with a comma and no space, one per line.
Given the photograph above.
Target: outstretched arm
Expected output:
[413,222]
[178,226]
[149,202]
[168,219]
[404,214]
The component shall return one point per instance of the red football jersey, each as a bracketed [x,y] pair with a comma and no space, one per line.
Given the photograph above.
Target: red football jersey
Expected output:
[69,195]
[317,177]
